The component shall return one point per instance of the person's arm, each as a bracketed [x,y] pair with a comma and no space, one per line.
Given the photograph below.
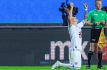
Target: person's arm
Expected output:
[69,12]
[86,14]
[85,21]
[105,20]
[86,10]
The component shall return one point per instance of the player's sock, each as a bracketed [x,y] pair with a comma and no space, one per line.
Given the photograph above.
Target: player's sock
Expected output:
[59,64]
[90,53]
[64,65]
[99,59]
[56,65]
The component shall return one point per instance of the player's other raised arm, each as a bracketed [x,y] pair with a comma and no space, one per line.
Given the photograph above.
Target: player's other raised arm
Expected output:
[86,14]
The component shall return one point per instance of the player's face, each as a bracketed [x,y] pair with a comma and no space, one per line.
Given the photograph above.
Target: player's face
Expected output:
[98,5]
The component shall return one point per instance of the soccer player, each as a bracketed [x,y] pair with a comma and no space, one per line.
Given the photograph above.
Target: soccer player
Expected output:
[98,18]
[76,41]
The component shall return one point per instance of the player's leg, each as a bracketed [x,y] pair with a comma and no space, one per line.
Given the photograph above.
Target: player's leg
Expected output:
[99,57]
[94,39]
[60,64]
[99,49]
[77,59]
[71,55]
[90,53]
[69,65]
[55,65]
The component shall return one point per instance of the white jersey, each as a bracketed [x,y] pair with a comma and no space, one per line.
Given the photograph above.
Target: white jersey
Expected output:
[76,45]
[76,35]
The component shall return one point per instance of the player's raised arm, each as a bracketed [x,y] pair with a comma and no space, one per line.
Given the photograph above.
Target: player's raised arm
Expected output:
[86,10]
[69,13]
[86,14]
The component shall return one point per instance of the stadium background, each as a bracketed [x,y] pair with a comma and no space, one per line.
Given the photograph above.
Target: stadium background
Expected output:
[31,45]
[37,11]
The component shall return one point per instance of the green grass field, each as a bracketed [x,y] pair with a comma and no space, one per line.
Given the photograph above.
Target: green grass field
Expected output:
[44,68]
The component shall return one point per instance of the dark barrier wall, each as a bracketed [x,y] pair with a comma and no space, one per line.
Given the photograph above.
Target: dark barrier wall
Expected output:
[39,46]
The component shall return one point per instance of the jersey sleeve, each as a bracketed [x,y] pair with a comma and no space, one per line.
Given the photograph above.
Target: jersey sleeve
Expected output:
[81,24]
[89,17]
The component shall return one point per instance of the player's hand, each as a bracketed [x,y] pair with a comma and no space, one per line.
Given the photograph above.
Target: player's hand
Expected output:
[71,5]
[87,22]
[71,8]
[103,22]
[85,6]
[97,23]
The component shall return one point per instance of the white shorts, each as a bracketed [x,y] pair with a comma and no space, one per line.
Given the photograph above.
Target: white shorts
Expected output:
[75,58]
